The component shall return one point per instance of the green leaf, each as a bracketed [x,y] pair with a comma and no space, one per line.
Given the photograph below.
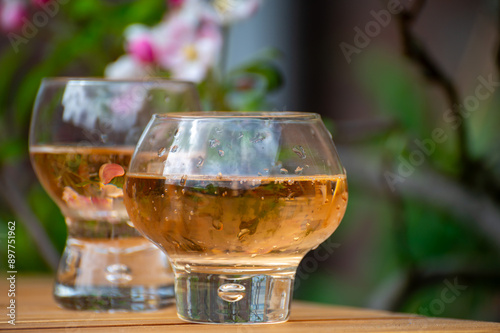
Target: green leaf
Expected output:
[12,149]
[264,68]
[394,89]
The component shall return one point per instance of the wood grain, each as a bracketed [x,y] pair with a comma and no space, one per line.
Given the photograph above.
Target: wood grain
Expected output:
[36,310]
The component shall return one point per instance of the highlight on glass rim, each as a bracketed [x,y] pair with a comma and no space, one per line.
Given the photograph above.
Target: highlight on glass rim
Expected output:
[171,163]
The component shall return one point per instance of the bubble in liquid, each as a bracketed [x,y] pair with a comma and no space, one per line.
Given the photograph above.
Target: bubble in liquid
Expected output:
[183,191]
[218,225]
[187,268]
[299,151]
[259,137]
[253,255]
[201,160]
[284,171]
[214,143]
[162,152]
[174,149]
[242,233]
[291,181]
[296,238]
[231,292]
[221,153]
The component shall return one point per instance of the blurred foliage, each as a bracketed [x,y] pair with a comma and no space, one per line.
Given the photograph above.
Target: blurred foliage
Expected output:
[416,247]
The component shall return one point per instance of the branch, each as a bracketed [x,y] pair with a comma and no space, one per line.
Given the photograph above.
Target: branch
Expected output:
[497,60]
[477,212]
[15,200]
[416,52]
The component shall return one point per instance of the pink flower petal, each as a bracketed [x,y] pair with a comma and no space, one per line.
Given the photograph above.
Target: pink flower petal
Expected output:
[141,49]
[175,3]
[109,171]
[12,15]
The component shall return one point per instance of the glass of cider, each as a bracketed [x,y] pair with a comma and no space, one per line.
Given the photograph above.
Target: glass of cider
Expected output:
[236,199]
[83,133]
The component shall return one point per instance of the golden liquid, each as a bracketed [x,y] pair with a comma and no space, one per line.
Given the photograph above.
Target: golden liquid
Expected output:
[103,249]
[71,176]
[216,221]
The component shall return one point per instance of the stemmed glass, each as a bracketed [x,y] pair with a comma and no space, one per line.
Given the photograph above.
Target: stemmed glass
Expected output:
[83,133]
[236,200]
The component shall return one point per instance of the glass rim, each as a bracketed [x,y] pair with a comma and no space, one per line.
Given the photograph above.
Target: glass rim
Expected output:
[100,80]
[197,115]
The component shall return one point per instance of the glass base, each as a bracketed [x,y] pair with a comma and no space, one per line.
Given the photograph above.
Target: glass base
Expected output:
[110,299]
[233,299]
[124,274]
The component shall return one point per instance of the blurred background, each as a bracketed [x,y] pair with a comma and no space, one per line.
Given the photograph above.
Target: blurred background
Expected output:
[407,88]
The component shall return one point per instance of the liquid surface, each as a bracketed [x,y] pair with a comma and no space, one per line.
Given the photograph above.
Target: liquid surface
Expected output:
[209,223]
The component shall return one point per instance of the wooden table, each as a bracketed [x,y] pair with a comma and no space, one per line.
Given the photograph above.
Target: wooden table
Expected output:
[36,310]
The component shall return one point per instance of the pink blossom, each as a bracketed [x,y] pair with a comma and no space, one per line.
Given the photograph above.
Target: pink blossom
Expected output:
[142,50]
[81,202]
[231,11]
[12,15]
[189,41]
[198,55]
[126,67]
[186,43]
[175,3]
[141,54]
[139,43]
